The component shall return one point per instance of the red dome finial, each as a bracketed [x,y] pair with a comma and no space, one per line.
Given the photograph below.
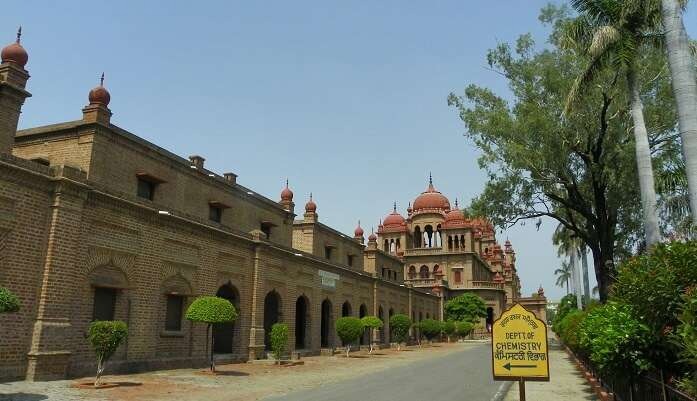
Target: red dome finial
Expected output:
[358,232]
[286,193]
[99,95]
[14,52]
[372,237]
[310,206]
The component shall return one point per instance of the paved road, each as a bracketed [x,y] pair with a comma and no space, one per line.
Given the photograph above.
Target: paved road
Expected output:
[461,376]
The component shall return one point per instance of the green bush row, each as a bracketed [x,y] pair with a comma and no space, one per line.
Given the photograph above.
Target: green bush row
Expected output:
[649,322]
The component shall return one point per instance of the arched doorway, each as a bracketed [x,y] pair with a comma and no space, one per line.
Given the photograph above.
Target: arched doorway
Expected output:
[272,315]
[224,333]
[389,317]
[346,309]
[326,323]
[363,312]
[381,316]
[301,322]
[489,318]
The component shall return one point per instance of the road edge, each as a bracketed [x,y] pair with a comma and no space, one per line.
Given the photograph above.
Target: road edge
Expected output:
[503,391]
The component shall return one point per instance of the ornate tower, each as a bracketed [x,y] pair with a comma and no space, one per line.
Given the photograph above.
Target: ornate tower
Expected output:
[13,80]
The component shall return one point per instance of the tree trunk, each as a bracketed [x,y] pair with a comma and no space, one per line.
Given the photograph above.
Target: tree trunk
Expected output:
[643,161]
[584,263]
[574,274]
[212,343]
[682,71]
[603,263]
[348,349]
[100,370]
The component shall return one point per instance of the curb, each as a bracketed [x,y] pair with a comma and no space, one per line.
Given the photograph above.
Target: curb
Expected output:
[598,389]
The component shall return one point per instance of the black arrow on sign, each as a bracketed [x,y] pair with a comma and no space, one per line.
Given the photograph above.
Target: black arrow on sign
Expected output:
[508,366]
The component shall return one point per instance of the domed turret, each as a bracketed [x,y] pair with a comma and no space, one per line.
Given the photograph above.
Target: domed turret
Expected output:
[310,206]
[14,52]
[358,232]
[286,194]
[99,94]
[455,218]
[393,222]
[431,199]
[372,237]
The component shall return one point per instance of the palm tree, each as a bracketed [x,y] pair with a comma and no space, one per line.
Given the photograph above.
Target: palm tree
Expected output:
[614,32]
[568,245]
[563,276]
[682,70]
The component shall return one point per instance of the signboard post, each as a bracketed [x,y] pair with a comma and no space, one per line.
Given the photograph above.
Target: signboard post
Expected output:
[519,348]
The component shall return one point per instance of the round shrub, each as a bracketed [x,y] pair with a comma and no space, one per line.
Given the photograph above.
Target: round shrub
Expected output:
[430,328]
[372,323]
[466,307]
[399,328]
[279,340]
[566,305]
[449,328]
[8,301]
[211,310]
[615,340]
[349,329]
[463,329]
[105,337]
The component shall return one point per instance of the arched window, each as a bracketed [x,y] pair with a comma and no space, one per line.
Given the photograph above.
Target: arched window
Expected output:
[462,241]
[412,272]
[423,272]
[346,309]
[450,242]
[386,248]
[417,237]
[428,236]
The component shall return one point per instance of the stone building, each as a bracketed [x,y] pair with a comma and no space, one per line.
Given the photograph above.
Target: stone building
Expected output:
[97,223]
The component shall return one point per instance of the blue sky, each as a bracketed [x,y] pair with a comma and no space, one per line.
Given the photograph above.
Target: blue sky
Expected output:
[345,99]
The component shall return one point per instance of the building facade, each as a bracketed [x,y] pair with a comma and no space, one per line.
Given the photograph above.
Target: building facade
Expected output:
[97,223]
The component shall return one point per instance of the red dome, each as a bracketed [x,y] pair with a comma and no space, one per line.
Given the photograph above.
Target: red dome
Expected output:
[393,219]
[287,194]
[358,232]
[15,53]
[455,217]
[431,199]
[372,237]
[99,95]
[310,206]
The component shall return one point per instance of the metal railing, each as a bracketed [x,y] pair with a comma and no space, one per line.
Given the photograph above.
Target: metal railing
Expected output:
[649,387]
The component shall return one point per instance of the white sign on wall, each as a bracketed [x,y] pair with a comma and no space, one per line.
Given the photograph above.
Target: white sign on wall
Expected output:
[328,279]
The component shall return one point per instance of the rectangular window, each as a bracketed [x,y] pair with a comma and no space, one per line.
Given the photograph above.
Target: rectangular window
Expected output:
[328,252]
[350,260]
[104,303]
[173,317]
[458,277]
[146,189]
[215,213]
[266,229]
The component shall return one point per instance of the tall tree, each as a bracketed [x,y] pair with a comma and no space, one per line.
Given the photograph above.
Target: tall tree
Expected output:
[578,169]
[613,32]
[563,274]
[684,87]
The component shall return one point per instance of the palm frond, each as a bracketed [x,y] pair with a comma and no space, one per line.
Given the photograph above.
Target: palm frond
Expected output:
[603,38]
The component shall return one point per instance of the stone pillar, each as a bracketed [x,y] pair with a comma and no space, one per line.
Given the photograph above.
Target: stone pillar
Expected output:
[49,354]
[256,330]
[13,80]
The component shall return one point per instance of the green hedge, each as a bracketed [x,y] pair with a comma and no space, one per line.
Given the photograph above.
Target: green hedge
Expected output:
[9,302]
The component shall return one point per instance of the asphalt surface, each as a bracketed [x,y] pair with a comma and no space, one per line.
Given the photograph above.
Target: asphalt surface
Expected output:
[461,376]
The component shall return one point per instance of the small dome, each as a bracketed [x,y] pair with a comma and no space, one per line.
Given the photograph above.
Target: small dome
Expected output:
[393,219]
[310,206]
[455,219]
[431,199]
[358,232]
[287,194]
[541,291]
[99,95]
[15,53]
[372,237]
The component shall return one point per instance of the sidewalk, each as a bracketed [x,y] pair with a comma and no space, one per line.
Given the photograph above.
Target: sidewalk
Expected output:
[565,381]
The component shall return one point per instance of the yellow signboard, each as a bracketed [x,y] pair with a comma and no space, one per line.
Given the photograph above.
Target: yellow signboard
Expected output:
[519,346]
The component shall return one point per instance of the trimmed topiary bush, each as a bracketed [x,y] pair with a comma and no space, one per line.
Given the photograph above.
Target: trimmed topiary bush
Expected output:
[9,302]
[466,307]
[463,329]
[279,340]
[431,328]
[349,329]
[399,328]
[449,328]
[211,310]
[105,337]
[371,323]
